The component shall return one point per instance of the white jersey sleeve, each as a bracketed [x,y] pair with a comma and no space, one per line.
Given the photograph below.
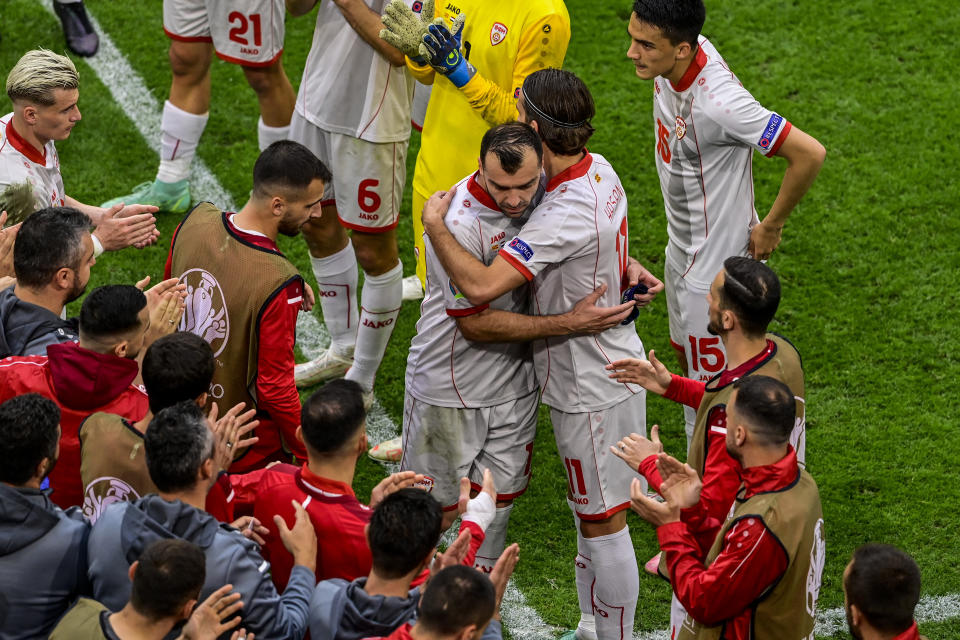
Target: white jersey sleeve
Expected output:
[20,162]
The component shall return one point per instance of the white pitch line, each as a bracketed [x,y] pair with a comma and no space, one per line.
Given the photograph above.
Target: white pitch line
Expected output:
[524,623]
[128,89]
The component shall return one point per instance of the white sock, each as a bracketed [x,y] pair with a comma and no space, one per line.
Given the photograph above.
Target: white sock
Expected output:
[380,303]
[268,135]
[337,290]
[617,584]
[495,540]
[180,134]
[586,628]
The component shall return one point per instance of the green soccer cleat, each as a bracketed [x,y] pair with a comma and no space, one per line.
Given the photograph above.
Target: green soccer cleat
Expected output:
[169,197]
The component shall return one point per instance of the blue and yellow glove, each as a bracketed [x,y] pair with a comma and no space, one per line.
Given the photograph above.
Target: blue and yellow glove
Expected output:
[441,49]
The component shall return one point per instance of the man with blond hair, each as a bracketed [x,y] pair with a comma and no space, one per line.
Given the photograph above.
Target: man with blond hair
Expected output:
[44,88]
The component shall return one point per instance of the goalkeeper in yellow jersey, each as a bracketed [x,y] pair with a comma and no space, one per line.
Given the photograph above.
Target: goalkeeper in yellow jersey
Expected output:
[476,61]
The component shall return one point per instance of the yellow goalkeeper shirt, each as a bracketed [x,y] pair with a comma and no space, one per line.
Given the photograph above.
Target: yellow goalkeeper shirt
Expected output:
[505,41]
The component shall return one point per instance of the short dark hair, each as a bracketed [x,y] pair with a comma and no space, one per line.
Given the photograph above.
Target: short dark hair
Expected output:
[455,598]
[509,142]
[28,434]
[176,443]
[111,311]
[563,97]
[332,415]
[48,241]
[767,406]
[176,367]
[884,584]
[171,573]
[752,291]
[288,166]
[678,20]
[404,529]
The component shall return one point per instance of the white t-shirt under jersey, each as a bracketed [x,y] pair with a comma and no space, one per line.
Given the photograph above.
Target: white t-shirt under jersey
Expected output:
[574,241]
[707,128]
[443,368]
[20,162]
[348,87]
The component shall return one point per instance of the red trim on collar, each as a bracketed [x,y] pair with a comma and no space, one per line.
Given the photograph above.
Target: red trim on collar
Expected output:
[480,193]
[730,375]
[692,72]
[311,481]
[573,172]
[25,147]
[771,477]
[910,634]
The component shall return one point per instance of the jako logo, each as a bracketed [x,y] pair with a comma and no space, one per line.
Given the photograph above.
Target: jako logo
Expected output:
[327,294]
[377,324]
[205,309]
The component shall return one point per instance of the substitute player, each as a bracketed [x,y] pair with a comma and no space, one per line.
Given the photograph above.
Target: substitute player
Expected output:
[353,111]
[471,394]
[499,44]
[575,241]
[244,32]
[707,126]
[742,301]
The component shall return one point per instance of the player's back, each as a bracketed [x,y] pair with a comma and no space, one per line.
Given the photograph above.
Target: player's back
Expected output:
[575,241]
[443,367]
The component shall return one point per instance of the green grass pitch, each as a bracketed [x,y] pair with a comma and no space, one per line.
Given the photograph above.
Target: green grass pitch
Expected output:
[866,260]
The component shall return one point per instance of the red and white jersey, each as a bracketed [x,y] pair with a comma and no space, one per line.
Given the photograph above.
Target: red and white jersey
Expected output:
[574,241]
[444,369]
[348,87]
[707,128]
[21,162]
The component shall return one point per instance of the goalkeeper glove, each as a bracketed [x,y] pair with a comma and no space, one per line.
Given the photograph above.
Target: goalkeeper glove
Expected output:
[405,29]
[18,201]
[441,48]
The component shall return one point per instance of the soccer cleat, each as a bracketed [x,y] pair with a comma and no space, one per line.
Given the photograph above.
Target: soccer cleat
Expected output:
[169,197]
[412,289]
[81,38]
[652,565]
[327,366]
[578,634]
[388,450]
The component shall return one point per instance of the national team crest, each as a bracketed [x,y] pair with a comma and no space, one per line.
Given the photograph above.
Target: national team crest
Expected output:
[205,311]
[681,128]
[497,33]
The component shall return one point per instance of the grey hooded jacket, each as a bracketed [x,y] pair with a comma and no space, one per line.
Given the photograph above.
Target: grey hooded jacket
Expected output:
[125,529]
[342,610]
[27,330]
[43,562]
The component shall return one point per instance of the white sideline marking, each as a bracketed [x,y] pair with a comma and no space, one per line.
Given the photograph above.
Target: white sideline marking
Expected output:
[524,623]
[128,89]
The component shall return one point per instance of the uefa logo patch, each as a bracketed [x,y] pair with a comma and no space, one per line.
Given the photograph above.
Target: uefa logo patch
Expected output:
[770,132]
[205,313]
[522,248]
[497,33]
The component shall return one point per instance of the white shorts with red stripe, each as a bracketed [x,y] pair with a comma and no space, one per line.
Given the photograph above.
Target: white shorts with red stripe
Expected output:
[244,32]
[446,444]
[598,482]
[367,176]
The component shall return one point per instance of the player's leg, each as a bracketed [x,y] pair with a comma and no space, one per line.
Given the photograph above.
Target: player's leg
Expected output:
[370,208]
[508,453]
[441,443]
[599,489]
[276,98]
[185,113]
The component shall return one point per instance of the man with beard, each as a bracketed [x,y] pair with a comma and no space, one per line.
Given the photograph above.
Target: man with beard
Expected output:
[881,588]
[761,575]
[743,298]
[95,375]
[243,294]
[43,564]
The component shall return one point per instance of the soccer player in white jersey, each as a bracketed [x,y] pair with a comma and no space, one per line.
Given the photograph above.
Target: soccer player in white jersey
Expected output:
[707,127]
[244,32]
[353,112]
[44,88]
[575,241]
[471,394]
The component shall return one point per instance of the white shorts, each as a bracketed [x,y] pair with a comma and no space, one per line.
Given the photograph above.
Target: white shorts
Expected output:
[367,176]
[446,444]
[245,32]
[598,482]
